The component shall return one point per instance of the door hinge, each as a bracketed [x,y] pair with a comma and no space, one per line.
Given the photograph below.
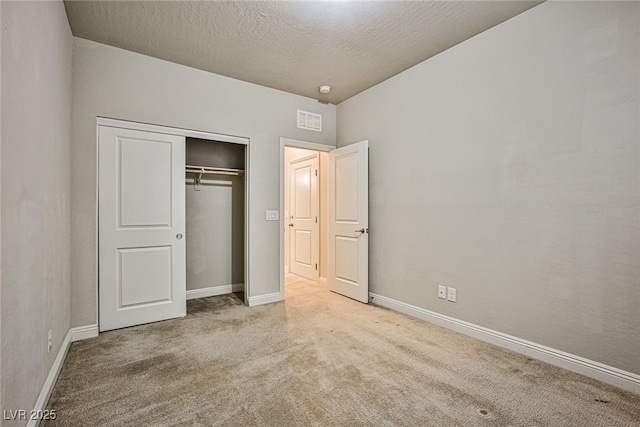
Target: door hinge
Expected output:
[316,172]
[316,220]
[316,265]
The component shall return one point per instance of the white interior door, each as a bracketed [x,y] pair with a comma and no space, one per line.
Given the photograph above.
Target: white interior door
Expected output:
[142,274]
[303,221]
[348,206]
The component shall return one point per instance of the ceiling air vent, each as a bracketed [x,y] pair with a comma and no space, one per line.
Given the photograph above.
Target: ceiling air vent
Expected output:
[310,121]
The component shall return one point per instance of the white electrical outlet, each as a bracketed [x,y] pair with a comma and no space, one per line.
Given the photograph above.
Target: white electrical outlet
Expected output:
[451,294]
[49,340]
[442,292]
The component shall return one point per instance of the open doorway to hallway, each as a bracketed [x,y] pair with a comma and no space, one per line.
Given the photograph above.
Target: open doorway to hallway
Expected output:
[305,213]
[341,180]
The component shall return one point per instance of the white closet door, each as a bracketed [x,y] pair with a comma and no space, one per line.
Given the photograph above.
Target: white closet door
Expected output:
[142,275]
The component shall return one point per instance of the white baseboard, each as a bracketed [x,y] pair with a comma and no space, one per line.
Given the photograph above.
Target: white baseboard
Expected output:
[73,335]
[215,290]
[589,368]
[286,269]
[84,332]
[50,382]
[265,299]
[322,280]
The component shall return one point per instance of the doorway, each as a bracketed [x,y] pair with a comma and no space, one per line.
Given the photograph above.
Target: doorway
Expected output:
[345,262]
[215,229]
[305,212]
[303,199]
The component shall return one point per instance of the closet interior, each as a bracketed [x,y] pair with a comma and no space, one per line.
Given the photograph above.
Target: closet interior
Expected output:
[215,217]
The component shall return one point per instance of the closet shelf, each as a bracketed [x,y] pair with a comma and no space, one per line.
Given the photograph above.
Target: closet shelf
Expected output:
[200,170]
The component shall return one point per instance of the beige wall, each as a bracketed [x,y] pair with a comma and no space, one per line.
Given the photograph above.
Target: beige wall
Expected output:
[115,83]
[508,167]
[36,194]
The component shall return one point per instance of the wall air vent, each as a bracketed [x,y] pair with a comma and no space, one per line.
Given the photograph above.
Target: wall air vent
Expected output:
[310,121]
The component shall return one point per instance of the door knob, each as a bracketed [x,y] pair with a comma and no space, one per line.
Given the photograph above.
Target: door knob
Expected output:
[178,236]
[362,230]
[290,225]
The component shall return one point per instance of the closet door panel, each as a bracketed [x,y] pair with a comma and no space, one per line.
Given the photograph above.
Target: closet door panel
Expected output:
[144,191]
[142,274]
[145,276]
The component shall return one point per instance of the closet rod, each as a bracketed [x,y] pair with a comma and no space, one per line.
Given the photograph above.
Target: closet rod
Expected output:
[209,170]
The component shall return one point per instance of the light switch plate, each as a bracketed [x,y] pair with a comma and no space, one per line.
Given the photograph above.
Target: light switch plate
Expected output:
[272,215]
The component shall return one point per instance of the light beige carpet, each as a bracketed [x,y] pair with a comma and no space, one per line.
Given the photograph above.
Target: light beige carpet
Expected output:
[318,359]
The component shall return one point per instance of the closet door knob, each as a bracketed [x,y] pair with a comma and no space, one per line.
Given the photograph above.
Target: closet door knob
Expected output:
[178,236]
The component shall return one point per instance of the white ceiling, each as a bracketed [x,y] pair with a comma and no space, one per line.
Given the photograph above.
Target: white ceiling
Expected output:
[294,46]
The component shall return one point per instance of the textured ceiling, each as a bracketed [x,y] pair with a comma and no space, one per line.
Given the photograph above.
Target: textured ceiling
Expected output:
[294,46]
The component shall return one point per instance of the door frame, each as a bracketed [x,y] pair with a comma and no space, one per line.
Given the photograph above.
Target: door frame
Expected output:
[286,142]
[187,133]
